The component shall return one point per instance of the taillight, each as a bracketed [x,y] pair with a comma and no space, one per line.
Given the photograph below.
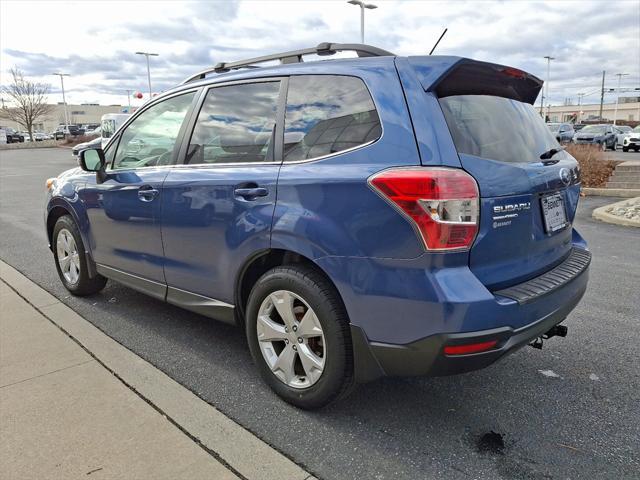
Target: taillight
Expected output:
[442,203]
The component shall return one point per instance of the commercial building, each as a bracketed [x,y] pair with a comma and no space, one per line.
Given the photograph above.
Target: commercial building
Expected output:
[628,112]
[78,115]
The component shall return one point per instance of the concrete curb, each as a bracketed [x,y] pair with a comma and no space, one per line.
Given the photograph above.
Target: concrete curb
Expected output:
[612,192]
[227,441]
[601,214]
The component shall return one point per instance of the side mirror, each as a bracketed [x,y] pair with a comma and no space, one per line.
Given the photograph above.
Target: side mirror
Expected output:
[91,160]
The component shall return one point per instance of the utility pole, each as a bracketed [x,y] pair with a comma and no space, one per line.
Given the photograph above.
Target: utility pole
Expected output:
[615,115]
[580,95]
[64,99]
[362,6]
[602,94]
[129,99]
[147,54]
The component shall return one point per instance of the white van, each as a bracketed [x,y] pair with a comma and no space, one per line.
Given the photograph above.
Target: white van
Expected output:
[110,123]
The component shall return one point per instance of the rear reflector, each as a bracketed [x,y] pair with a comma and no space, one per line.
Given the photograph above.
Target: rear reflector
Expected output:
[442,203]
[469,348]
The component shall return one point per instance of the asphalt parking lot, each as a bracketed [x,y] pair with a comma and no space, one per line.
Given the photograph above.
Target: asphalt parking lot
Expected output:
[621,156]
[567,411]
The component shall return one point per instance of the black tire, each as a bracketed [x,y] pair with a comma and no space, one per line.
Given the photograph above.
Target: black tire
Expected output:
[637,149]
[83,285]
[336,380]
[625,149]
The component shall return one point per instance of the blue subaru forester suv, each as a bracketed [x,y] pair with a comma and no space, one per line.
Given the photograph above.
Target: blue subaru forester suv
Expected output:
[359,217]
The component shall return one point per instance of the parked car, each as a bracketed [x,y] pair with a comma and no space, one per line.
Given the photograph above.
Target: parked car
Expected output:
[37,136]
[632,141]
[64,131]
[40,136]
[95,143]
[621,131]
[602,135]
[562,131]
[13,136]
[578,126]
[433,249]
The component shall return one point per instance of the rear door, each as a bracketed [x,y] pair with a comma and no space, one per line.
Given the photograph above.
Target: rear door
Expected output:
[217,206]
[528,203]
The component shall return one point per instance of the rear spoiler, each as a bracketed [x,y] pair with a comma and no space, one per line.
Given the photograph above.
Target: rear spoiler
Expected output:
[448,76]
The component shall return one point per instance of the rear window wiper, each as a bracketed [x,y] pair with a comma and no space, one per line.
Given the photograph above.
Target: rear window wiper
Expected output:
[550,153]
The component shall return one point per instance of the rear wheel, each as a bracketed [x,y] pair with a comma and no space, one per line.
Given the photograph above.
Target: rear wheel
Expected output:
[299,337]
[71,261]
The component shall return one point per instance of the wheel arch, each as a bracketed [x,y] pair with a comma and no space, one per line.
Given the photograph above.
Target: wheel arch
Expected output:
[263,261]
[58,208]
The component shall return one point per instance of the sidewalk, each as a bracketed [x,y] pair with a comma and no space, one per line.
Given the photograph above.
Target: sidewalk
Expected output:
[86,406]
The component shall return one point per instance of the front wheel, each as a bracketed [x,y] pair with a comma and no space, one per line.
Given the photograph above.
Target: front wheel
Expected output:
[299,337]
[71,261]
[625,149]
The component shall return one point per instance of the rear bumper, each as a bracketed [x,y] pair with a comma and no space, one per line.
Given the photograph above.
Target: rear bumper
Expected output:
[426,356]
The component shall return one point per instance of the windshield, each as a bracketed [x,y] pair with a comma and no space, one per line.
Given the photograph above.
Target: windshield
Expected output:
[497,128]
[637,128]
[593,129]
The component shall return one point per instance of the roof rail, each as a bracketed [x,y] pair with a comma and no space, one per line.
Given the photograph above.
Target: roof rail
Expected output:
[294,56]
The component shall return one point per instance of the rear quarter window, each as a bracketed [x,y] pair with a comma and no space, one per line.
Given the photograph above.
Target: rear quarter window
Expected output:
[497,128]
[327,114]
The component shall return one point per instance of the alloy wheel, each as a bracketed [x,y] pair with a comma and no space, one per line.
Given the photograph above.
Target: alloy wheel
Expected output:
[291,339]
[68,257]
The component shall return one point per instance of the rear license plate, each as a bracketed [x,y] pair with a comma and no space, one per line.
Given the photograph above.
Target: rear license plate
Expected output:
[555,217]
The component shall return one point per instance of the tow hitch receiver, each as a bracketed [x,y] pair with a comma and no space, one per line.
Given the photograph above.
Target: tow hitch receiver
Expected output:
[557,330]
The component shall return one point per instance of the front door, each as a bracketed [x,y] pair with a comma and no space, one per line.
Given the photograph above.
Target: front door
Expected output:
[217,206]
[124,208]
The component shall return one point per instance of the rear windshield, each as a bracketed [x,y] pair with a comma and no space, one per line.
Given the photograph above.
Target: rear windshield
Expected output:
[497,128]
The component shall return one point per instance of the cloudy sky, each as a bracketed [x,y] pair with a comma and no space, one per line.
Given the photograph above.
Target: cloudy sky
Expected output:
[95,41]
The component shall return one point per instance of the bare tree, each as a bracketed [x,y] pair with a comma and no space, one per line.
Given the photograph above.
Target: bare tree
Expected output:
[29,101]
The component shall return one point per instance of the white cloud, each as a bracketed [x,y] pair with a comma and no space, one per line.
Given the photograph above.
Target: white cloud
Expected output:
[96,40]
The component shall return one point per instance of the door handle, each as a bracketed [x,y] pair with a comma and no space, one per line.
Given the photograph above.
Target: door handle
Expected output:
[147,193]
[251,193]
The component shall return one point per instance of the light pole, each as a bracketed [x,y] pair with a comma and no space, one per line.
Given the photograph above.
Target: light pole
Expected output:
[549,58]
[64,100]
[619,75]
[129,99]
[148,54]
[362,6]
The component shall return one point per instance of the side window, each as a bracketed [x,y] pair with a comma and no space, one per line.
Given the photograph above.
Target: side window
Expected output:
[149,140]
[236,125]
[327,114]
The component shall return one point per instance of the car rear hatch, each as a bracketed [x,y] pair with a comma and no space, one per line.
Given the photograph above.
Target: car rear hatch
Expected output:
[527,203]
